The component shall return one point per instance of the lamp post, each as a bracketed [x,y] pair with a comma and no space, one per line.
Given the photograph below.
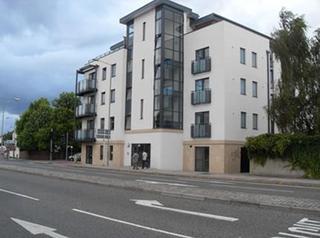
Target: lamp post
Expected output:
[106,153]
[6,100]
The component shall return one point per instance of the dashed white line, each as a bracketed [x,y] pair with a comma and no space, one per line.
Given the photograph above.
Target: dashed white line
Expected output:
[165,183]
[132,224]
[19,194]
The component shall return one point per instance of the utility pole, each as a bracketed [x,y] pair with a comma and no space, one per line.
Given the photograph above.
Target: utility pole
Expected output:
[51,142]
[67,142]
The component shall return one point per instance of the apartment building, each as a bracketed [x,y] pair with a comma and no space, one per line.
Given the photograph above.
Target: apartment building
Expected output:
[185,89]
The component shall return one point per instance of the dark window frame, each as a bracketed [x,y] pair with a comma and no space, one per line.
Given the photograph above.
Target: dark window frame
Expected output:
[243,120]
[104,73]
[254,86]
[255,118]
[242,53]
[143,31]
[243,90]
[111,123]
[112,96]
[113,70]
[103,98]
[254,59]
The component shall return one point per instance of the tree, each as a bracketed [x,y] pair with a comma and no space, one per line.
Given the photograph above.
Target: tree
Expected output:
[8,136]
[34,127]
[295,107]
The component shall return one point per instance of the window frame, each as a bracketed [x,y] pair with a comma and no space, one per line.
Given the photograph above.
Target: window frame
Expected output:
[255,118]
[102,122]
[143,31]
[113,70]
[112,96]
[104,73]
[142,68]
[111,123]
[254,89]
[141,108]
[243,120]
[254,59]
[242,55]
[103,98]
[243,90]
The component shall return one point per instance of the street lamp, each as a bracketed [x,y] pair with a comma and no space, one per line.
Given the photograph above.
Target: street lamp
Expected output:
[6,100]
[106,153]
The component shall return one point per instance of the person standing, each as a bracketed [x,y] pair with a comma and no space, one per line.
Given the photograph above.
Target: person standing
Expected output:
[144,159]
[135,159]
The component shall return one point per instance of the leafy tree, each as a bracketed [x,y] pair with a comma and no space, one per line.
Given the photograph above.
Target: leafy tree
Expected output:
[295,107]
[8,136]
[34,126]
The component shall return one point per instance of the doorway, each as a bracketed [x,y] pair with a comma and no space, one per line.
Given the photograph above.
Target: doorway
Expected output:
[244,161]
[139,148]
[202,159]
[89,154]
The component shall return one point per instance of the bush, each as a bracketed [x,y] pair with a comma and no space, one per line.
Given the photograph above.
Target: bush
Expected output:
[301,151]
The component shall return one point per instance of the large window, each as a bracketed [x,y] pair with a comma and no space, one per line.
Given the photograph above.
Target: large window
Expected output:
[202,84]
[254,59]
[242,56]
[202,118]
[113,70]
[243,122]
[202,53]
[255,121]
[243,86]
[103,98]
[168,76]
[254,89]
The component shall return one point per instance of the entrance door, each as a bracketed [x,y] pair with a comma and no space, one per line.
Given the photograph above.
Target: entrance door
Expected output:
[89,154]
[245,162]
[139,148]
[202,159]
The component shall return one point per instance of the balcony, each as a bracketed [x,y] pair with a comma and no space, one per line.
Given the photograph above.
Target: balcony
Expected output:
[201,65]
[201,130]
[86,86]
[84,135]
[85,110]
[201,97]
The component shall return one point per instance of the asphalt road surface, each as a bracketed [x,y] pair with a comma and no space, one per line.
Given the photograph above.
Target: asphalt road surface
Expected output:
[49,207]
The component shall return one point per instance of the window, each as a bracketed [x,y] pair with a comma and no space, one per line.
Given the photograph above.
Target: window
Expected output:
[90,124]
[92,76]
[144,31]
[202,118]
[141,109]
[142,69]
[112,95]
[202,53]
[113,70]
[255,121]
[102,123]
[111,152]
[243,120]
[101,152]
[254,59]
[254,89]
[202,84]
[243,86]
[111,123]
[103,98]
[104,73]
[242,56]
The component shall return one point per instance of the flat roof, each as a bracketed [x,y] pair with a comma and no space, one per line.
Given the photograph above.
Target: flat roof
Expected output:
[154,4]
[213,18]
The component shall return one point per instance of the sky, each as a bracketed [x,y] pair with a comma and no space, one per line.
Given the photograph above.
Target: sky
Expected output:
[43,42]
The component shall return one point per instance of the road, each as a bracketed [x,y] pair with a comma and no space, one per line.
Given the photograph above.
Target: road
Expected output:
[216,184]
[76,209]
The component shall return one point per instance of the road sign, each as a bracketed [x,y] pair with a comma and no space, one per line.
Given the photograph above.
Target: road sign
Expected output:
[36,229]
[158,205]
[103,133]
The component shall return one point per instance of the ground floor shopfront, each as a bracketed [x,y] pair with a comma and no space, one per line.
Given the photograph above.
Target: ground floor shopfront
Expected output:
[170,154]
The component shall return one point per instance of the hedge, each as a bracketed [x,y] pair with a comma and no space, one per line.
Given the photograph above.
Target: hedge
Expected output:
[301,151]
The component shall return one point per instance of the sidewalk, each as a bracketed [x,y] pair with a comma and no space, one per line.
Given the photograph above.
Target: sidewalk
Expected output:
[198,193]
[245,177]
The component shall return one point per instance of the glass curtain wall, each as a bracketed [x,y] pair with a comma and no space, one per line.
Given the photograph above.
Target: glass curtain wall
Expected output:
[130,33]
[168,76]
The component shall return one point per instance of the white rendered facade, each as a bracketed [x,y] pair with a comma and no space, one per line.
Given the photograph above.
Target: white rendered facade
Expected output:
[158,119]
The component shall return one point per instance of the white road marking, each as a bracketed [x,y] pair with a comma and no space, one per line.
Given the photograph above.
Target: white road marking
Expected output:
[166,183]
[253,188]
[208,181]
[158,205]
[132,224]
[36,229]
[18,194]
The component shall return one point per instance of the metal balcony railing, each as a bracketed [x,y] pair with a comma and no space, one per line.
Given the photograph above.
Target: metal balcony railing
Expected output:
[201,130]
[85,110]
[201,96]
[86,86]
[84,135]
[201,65]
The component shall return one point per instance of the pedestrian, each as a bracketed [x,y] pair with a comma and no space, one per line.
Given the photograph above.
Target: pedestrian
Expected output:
[144,159]
[135,158]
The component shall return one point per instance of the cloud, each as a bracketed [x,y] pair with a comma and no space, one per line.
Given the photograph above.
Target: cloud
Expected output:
[43,42]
